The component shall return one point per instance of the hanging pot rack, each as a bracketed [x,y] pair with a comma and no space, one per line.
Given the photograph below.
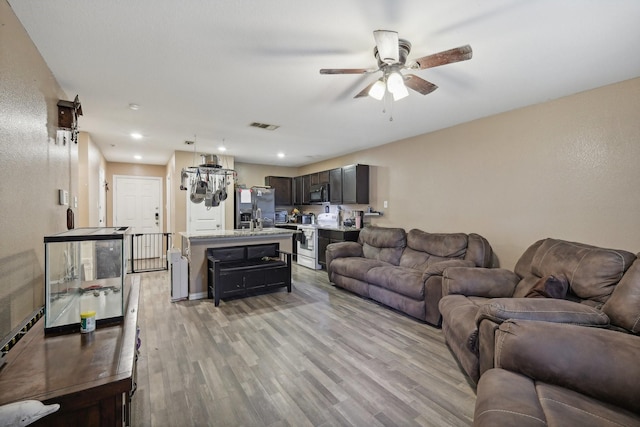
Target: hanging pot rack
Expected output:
[208,181]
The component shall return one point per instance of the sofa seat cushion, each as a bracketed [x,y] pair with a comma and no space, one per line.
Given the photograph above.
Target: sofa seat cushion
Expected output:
[403,281]
[508,398]
[355,267]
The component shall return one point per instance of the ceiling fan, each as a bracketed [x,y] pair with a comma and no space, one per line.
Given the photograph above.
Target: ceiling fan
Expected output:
[391,53]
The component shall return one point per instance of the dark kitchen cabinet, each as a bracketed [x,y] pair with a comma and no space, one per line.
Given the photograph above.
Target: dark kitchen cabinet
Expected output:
[335,186]
[323,177]
[284,189]
[355,184]
[349,184]
[297,190]
[315,178]
[326,237]
[306,189]
[319,178]
[301,190]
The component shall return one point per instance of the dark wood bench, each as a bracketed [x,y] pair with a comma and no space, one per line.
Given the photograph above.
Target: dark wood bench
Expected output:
[241,270]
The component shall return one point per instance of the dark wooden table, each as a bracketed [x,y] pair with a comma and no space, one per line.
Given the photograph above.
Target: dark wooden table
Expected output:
[89,375]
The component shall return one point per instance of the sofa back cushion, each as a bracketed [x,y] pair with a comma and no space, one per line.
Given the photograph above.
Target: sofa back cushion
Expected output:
[623,307]
[425,248]
[382,243]
[479,251]
[523,266]
[592,272]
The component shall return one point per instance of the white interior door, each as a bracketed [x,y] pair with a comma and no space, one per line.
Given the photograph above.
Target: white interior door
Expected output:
[201,219]
[137,202]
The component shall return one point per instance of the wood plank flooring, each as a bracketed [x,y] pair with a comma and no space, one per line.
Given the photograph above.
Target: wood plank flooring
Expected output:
[318,356]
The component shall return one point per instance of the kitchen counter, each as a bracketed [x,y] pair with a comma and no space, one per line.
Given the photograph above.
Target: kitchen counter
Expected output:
[194,248]
[341,228]
[222,234]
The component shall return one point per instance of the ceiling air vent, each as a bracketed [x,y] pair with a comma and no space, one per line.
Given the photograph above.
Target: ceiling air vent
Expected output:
[264,126]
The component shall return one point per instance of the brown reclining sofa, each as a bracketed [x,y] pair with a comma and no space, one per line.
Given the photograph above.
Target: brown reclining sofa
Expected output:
[404,270]
[590,286]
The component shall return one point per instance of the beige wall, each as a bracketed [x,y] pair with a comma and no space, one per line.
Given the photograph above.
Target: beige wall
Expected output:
[32,169]
[90,162]
[566,168]
[252,174]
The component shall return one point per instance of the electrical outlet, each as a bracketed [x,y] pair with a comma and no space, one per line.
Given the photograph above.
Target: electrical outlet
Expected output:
[385,204]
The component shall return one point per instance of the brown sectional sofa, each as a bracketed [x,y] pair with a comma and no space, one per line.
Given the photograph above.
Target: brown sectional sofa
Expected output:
[404,270]
[562,375]
[602,290]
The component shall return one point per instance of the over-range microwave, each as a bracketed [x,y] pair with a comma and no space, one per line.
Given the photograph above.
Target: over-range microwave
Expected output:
[319,193]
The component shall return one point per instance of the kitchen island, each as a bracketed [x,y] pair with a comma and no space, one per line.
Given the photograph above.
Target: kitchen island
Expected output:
[195,245]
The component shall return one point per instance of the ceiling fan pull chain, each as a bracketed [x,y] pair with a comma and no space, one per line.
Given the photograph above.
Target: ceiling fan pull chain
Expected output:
[384,102]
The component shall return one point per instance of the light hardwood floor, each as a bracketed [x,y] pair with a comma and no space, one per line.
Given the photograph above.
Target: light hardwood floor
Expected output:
[319,356]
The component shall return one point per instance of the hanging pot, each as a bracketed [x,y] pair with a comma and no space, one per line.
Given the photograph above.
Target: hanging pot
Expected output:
[223,189]
[209,160]
[197,195]
[184,180]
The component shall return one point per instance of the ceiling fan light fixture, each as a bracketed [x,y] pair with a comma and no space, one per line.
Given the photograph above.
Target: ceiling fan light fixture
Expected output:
[395,84]
[377,90]
[399,94]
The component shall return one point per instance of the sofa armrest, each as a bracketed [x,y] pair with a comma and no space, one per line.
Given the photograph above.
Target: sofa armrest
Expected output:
[499,310]
[481,282]
[600,363]
[437,268]
[341,250]
[344,249]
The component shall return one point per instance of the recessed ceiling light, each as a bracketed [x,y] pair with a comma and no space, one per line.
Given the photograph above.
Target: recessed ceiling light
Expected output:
[137,157]
[134,107]
[136,135]
[281,155]
[222,148]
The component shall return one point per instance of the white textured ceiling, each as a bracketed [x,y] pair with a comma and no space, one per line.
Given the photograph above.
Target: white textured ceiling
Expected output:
[210,68]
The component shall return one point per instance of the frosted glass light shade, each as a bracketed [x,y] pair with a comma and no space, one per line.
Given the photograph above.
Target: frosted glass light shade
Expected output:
[377,90]
[395,84]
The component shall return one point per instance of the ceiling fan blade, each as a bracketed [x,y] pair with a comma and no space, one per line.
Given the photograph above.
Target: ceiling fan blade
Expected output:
[419,84]
[387,44]
[364,92]
[344,70]
[457,54]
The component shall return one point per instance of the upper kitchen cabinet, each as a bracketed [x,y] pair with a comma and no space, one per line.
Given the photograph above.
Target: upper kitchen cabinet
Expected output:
[355,184]
[301,189]
[297,190]
[335,186]
[306,189]
[319,178]
[284,189]
[323,177]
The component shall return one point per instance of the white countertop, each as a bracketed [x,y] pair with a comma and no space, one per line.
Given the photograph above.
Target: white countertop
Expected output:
[237,233]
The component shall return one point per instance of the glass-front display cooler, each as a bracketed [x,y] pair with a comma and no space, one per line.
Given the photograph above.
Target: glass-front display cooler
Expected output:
[86,272]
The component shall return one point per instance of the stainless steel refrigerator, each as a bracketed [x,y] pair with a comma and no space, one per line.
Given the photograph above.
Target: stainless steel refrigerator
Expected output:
[254,203]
